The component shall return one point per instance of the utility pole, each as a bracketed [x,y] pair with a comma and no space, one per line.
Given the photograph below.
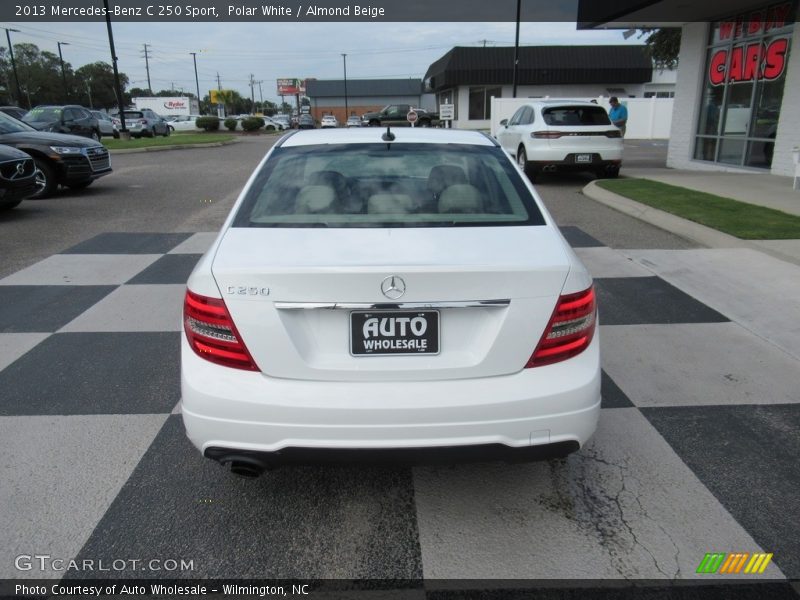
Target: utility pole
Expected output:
[89,91]
[13,63]
[147,68]
[252,93]
[197,81]
[219,89]
[516,50]
[346,109]
[63,74]
[260,95]
[117,87]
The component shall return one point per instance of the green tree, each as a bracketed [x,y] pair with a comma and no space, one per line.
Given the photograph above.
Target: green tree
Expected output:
[39,75]
[663,46]
[98,80]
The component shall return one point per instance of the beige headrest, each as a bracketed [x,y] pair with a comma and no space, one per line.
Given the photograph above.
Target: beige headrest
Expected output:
[315,199]
[388,204]
[461,198]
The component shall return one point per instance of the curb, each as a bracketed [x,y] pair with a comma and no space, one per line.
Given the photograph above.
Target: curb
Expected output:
[684,228]
[173,147]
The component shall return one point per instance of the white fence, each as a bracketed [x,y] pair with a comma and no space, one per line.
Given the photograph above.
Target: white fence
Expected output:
[648,118]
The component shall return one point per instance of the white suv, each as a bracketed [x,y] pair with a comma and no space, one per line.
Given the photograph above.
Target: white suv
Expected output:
[547,136]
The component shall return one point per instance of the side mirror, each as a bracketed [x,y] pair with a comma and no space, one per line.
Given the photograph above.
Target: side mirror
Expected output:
[504,122]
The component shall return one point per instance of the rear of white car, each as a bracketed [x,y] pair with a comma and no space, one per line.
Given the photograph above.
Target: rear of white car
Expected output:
[399,298]
[549,136]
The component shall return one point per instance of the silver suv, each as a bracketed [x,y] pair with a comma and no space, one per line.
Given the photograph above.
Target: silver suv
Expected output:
[145,123]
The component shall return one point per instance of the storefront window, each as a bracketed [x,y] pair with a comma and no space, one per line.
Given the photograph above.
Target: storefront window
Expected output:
[745,72]
[480,102]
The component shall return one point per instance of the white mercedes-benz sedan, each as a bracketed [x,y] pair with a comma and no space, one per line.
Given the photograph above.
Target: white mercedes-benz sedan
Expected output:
[381,295]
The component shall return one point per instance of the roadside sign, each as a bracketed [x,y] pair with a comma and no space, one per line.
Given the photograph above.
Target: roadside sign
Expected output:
[411,117]
[447,112]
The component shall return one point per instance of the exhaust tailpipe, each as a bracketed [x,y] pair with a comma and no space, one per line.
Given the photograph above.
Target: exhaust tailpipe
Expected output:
[245,466]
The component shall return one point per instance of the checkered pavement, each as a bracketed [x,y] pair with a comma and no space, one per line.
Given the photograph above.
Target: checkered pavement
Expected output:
[696,450]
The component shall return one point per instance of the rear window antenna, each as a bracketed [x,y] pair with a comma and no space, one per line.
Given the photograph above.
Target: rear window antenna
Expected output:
[388,136]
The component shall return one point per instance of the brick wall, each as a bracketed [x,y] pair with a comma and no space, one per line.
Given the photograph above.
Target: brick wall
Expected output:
[320,111]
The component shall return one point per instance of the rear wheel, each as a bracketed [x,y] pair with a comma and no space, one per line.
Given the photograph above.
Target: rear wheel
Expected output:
[45,178]
[167,131]
[522,161]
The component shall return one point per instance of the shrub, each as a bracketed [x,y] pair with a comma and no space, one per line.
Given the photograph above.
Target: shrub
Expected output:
[208,123]
[231,124]
[252,123]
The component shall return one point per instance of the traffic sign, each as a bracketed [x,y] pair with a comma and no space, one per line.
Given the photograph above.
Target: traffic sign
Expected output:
[411,117]
[447,112]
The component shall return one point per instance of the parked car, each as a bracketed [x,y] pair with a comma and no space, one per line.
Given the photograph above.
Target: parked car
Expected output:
[107,126]
[278,125]
[329,121]
[145,123]
[306,121]
[17,177]
[13,111]
[361,343]
[353,121]
[184,123]
[60,159]
[70,118]
[547,136]
[284,120]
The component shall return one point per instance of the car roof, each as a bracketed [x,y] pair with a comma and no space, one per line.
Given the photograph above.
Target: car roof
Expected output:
[549,103]
[371,135]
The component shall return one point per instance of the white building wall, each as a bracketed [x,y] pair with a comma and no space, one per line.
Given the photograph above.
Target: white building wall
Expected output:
[789,122]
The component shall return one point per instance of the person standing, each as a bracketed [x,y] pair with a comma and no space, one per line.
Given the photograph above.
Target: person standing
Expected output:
[618,114]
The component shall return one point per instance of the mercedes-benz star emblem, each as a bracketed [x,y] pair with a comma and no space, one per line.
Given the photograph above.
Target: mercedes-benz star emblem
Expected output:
[393,287]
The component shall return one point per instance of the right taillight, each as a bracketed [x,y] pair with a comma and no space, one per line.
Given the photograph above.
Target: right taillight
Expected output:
[569,331]
[212,334]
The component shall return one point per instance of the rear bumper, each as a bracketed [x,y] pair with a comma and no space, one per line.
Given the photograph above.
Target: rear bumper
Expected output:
[571,164]
[535,413]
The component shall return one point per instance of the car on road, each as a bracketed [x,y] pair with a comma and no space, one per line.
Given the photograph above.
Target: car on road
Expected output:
[71,118]
[328,122]
[306,121]
[17,177]
[381,295]
[60,159]
[106,124]
[277,124]
[557,135]
[284,120]
[353,121]
[184,123]
[145,123]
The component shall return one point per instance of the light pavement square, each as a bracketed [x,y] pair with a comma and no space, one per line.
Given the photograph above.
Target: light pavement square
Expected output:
[759,292]
[605,262]
[626,506]
[698,364]
[59,476]
[197,244]
[82,269]
[134,308]
[14,345]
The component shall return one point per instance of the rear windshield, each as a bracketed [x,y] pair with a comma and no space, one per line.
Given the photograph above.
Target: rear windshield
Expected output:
[388,185]
[567,116]
[132,114]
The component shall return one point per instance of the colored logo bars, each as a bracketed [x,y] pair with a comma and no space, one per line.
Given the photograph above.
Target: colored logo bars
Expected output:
[734,563]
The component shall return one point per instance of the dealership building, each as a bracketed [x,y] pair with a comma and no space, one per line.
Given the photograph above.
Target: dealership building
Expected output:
[737,93]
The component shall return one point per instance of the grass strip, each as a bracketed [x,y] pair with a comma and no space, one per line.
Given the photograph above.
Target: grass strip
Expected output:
[740,219]
[176,139]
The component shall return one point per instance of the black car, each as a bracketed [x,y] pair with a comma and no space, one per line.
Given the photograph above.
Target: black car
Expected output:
[14,111]
[60,159]
[64,119]
[17,177]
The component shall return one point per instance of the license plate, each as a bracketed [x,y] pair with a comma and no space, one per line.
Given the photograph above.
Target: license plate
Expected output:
[377,333]
[583,158]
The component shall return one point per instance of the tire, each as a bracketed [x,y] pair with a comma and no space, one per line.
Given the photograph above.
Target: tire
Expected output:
[80,185]
[522,161]
[95,135]
[116,135]
[374,124]
[45,179]
[167,131]
[424,123]
[152,133]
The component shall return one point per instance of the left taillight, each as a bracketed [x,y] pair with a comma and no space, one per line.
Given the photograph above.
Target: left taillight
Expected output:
[212,334]
[570,330]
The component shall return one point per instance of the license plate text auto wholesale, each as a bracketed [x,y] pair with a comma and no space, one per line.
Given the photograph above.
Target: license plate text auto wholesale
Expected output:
[583,158]
[375,333]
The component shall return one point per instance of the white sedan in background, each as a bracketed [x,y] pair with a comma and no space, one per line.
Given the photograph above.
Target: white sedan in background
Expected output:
[328,122]
[380,295]
[184,123]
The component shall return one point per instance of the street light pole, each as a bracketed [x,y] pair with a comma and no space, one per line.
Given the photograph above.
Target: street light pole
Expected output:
[346,109]
[13,63]
[516,51]
[196,81]
[63,73]
[117,86]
